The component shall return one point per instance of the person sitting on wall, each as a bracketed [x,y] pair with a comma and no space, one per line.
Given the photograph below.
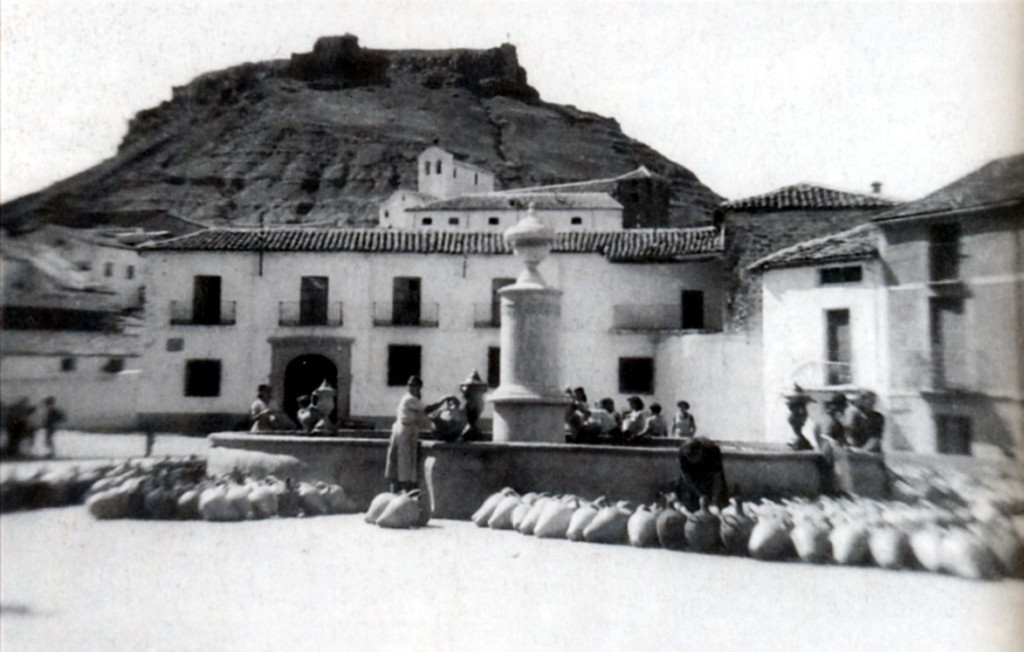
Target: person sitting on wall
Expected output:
[633,420]
[264,413]
[865,424]
[449,420]
[683,424]
[831,433]
[701,473]
[307,414]
[797,403]
[654,424]
[599,422]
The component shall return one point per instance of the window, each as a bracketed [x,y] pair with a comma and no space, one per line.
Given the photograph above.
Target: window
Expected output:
[206,300]
[427,221]
[438,166]
[313,301]
[636,375]
[453,221]
[108,269]
[836,275]
[387,214]
[405,305]
[175,344]
[576,221]
[496,285]
[493,366]
[950,364]
[692,309]
[403,361]
[68,364]
[202,378]
[494,221]
[476,178]
[129,272]
[837,347]
[114,365]
[944,251]
[953,434]
[426,167]
[455,171]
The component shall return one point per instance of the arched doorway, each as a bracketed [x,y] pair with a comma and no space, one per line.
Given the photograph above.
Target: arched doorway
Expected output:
[303,375]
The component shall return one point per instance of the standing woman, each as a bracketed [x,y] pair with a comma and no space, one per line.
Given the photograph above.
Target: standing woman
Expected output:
[402,462]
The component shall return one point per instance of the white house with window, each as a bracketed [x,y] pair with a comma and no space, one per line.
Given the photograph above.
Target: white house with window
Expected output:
[365,309]
[923,306]
[443,175]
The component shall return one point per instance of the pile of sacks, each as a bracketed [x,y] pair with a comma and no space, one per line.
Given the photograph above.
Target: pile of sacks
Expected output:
[982,542]
[402,510]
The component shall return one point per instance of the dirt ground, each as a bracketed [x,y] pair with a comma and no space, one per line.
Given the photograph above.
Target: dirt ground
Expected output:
[69,582]
[337,583]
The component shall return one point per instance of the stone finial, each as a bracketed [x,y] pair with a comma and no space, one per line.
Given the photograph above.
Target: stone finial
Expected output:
[531,241]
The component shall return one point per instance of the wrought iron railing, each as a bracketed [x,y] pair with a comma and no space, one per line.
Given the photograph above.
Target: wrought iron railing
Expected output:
[185,313]
[422,315]
[297,313]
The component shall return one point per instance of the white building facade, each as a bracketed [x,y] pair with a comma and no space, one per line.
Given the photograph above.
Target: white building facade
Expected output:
[364,309]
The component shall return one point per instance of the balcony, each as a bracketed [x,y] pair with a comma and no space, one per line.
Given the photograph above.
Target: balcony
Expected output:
[421,315]
[486,315]
[296,313]
[185,313]
[654,317]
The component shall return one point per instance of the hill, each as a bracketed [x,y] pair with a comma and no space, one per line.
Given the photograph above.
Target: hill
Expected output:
[322,137]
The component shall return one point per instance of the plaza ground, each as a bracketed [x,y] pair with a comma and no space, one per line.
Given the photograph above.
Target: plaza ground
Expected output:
[69,582]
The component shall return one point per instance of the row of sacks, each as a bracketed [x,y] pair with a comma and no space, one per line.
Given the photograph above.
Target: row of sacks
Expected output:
[231,497]
[982,543]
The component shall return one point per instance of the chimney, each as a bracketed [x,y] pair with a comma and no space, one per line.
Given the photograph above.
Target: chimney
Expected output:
[876,187]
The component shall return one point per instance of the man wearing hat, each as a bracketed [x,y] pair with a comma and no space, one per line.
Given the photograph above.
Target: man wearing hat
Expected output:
[402,462]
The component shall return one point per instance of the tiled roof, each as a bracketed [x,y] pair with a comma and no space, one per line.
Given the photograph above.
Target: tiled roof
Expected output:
[505,201]
[858,243]
[633,245]
[805,196]
[999,182]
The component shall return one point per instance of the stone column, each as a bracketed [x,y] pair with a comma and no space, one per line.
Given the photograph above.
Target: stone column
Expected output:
[528,404]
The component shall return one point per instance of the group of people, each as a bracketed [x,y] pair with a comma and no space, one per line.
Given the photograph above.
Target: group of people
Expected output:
[586,423]
[20,426]
[846,423]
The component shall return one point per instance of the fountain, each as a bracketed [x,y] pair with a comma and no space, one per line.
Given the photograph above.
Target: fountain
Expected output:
[528,405]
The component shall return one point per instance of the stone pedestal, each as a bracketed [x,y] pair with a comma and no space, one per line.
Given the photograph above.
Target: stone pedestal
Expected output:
[528,404]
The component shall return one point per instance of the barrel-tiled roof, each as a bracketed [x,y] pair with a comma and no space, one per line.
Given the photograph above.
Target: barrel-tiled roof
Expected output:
[806,196]
[633,245]
[1000,182]
[858,243]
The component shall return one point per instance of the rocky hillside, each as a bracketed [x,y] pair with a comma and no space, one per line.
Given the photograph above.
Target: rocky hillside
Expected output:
[322,137]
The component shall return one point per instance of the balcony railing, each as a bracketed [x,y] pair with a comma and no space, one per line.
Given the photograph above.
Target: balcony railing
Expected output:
[422,315]
[296,313]
[184,313]
[647,317]
[486,315]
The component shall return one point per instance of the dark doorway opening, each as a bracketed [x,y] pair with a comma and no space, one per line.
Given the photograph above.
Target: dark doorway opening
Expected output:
[303,375]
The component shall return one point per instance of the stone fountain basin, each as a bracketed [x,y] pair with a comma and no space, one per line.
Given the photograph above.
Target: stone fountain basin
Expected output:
[465,474]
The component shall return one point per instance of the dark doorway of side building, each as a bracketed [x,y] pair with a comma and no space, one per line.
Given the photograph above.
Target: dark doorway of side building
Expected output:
[302,376]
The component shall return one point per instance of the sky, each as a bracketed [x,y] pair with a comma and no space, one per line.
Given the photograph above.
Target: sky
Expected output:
[750,96]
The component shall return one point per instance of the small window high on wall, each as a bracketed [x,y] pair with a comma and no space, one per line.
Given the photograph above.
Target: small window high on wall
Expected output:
[838,275]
